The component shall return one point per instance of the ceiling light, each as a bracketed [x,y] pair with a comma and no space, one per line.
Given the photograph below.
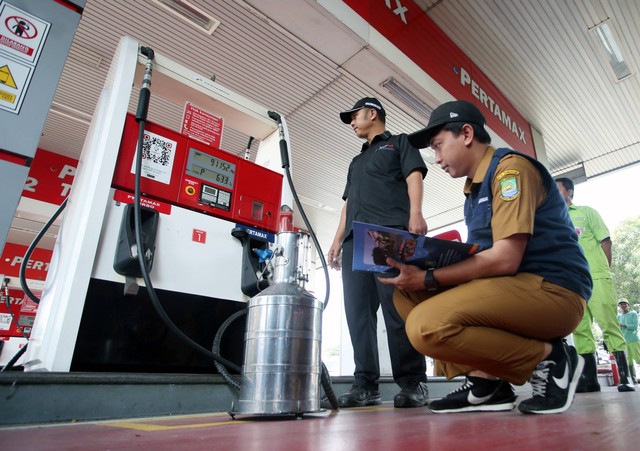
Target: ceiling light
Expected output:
[315,203]
[190,14]
[407,97]
[605,37]
[70,113]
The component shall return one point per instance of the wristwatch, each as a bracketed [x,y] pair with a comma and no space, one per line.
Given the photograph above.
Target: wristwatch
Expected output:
[429,281]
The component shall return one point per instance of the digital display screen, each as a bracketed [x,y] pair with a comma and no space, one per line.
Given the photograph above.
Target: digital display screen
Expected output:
[210,168]
[215,197]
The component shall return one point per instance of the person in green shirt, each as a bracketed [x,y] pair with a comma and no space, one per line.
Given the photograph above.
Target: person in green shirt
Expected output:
[628,320]
[594,237]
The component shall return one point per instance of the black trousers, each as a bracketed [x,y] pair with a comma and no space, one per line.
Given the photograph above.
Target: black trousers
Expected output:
[363,294]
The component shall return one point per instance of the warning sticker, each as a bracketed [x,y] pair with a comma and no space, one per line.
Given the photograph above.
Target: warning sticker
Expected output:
[14,78]
[22,34]
[6,77]
[202,125]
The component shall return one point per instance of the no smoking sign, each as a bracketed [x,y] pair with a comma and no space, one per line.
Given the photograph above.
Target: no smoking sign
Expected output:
[21,34]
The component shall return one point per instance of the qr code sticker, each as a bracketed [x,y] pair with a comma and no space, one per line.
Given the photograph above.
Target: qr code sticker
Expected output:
[5,321]
[157,149]
[158,153]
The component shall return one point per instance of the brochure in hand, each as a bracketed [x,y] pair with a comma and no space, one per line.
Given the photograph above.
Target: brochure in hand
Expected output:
[373,244]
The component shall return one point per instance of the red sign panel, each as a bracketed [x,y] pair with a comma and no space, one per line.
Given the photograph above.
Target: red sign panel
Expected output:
[202,125]
[410,29]
[199,236]
[13,256]
[50,177]
[129,198]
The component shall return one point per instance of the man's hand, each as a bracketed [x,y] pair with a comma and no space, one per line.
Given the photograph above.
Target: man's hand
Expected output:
[334,256]
[417,224]
[411,278]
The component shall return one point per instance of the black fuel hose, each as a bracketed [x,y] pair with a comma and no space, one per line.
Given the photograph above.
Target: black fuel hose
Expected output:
[325,378]
[14,359]
[216,348]
[27,256]
[141,117]
[22,277]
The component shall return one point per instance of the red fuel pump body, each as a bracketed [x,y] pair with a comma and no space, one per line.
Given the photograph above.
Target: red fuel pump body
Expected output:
[183,171]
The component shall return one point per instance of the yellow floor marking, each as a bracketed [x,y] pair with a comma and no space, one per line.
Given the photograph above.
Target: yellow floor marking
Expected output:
[160,427]
[145,424]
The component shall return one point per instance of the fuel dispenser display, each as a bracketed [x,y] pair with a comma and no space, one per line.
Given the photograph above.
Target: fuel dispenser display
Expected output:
[185,172]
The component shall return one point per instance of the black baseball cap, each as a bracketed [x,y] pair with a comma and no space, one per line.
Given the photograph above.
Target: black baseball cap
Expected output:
[367,102]
[455,111]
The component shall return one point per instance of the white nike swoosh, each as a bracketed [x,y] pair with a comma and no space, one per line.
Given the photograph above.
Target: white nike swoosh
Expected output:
[472,399]
[563,382]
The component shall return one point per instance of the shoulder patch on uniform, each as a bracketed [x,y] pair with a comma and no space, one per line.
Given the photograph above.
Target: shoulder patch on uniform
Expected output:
[507,173]
[509,186]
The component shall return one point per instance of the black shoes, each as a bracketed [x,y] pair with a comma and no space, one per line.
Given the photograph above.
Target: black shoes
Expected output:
[585,386]
[359,397]
[626,383]
[477,395]
[554,381]
[414,393]
[588,381]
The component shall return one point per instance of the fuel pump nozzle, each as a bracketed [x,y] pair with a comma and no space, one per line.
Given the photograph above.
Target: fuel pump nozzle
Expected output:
[145,93]
[247,152]
[284,154]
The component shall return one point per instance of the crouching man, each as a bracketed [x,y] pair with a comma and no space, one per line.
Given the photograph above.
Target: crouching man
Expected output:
[499,316]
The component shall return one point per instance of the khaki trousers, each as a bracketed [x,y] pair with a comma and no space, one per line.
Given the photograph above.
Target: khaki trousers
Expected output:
[497,325]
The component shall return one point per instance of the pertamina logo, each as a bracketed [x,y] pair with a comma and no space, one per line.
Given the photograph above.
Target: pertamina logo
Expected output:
[492,105]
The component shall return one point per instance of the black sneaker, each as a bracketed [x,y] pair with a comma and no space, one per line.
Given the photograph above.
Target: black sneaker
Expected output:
[477,395]
[414,393]
[554,382]
[359,397]
[625,388]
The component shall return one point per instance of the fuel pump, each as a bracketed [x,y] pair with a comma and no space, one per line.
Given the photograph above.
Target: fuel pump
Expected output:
[282,368]
[204,201]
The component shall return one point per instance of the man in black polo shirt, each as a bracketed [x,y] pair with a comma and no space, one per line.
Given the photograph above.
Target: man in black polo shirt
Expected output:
[384,186]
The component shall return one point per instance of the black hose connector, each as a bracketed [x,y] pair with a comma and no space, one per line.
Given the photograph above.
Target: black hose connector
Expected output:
[275,116]
[145,93]
[284,153]
[143,104]
[148,52]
